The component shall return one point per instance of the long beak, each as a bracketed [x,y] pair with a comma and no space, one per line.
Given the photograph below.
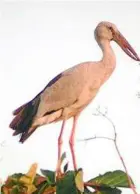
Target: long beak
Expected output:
[124,44]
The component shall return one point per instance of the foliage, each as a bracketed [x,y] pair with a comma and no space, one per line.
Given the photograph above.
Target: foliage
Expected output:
[70,182]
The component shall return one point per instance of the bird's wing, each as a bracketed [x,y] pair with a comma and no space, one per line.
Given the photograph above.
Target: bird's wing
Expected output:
[19,109]
[62,91]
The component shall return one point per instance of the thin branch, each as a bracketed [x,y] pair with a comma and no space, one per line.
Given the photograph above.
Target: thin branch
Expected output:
[116,146]
[106,117]
[3,143]
[91,185]
[118,151]
[132,186]
[96,137]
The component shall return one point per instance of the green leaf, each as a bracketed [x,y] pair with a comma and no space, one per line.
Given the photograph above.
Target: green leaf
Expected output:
[108,191]
[49,174]
[66,167]
[49,190]
[41,188]
[86,191]
[15,190]
[16,176]
[66,185]
[63,157]
[14,180]
[79,180]
[39,179]
[116,178]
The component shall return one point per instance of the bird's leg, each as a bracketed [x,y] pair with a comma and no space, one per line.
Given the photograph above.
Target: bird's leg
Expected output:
[71,141]
[60,141]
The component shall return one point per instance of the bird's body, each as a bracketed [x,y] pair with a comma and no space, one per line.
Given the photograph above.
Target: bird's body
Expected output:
[72,90]
[78,92]
[53,107]
[69,92]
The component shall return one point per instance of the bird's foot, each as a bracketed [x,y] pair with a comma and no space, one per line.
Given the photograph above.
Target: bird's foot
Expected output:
[58,174]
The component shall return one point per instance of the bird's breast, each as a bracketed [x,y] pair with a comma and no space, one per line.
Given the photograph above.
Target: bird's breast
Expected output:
[89,91]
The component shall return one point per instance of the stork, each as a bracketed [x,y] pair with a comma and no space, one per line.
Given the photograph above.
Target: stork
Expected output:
[71,91]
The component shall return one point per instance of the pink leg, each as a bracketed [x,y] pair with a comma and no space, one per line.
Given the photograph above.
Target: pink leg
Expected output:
[71,141]
[60,141]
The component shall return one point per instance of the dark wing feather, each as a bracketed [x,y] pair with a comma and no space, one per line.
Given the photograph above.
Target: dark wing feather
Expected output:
[55,79]
[25,114]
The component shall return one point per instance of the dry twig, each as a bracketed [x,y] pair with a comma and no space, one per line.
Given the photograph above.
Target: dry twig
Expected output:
[99,113]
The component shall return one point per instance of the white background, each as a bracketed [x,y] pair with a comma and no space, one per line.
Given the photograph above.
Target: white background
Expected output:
[39,40]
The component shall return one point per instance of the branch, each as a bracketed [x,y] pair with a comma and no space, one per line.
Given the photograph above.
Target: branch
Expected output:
[96,137]
[3,143]
[116,146]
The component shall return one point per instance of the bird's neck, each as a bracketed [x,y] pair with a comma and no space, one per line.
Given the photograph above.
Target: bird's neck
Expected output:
[108,59]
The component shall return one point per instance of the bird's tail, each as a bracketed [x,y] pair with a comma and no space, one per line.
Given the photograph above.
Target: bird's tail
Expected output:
[24,115]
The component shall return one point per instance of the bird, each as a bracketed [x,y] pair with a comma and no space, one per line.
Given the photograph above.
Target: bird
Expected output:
[68,94]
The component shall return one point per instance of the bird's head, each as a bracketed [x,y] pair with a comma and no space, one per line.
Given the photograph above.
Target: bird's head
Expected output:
[109,31]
